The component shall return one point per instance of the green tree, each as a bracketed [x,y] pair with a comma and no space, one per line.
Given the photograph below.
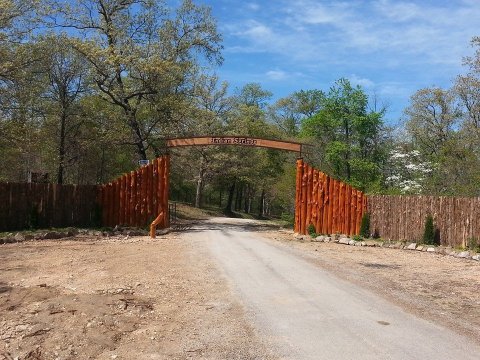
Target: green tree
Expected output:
[348,135]
[289,112]
[141,55]
[66,81]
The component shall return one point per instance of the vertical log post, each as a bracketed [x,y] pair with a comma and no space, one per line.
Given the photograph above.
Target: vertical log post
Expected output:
[309,198]
[166,191]
[314,201]
[303,205]
[298,195]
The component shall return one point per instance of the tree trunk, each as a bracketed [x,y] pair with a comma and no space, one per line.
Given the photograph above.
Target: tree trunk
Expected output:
[228,208]
[61,149]
[200,183]
[137,134]
[198,194]
[246,197]
[261,205]
[238,198]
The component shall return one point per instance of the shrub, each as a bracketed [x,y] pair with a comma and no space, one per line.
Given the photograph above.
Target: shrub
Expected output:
[365,226]
[473,244]
[429,232]
[289,219]
[357,237]
[311,230]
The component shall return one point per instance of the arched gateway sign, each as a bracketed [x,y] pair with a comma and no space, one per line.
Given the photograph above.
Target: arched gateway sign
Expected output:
[327,204]
[236,140]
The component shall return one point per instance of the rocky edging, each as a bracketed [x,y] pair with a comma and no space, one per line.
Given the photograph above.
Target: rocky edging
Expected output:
[8,238]
[345,240]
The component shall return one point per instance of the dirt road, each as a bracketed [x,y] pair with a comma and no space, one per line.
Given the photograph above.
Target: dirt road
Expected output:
[308,313]
[231,289]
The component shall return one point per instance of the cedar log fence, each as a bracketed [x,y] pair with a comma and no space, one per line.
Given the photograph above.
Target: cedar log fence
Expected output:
[328,204]
[138,198]
[457,219]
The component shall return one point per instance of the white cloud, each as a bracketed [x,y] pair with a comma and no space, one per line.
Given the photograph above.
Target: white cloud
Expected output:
[363,82]
[276,74]
[252,6]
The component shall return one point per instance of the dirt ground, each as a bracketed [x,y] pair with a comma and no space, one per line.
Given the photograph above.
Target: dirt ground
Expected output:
[443,289]
[136,298]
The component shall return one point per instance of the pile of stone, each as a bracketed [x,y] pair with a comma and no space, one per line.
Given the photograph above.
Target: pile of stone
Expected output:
[345,240]
[8,238]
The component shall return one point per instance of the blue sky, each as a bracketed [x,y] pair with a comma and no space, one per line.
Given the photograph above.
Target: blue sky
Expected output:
[390,48]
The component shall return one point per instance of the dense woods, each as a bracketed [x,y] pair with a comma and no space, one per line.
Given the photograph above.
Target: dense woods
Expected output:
[89,87]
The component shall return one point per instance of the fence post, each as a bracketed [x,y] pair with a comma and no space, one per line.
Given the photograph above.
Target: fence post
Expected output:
[298,195]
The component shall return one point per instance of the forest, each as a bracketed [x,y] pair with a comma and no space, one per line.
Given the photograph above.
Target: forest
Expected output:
[90,87]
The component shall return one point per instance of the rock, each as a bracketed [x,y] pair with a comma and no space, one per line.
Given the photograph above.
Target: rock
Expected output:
[370,243]
[351,242]
[28,237]
[327,239]
[337,237]
[431,249]
[72,232]
[344,240]
[441,250]
[358,243]
[363,243]
[8,240]
[412,246]
[419,248]
[463,254]
[139,232]
[476,257]
[320,238]
[19,237]
[398,245]
[52,235]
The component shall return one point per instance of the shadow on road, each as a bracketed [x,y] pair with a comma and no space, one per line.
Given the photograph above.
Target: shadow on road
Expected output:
[205,225]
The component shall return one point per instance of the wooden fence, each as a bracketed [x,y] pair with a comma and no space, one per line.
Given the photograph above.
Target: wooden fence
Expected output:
[330,205]
[403,217]
[25,205]
[138,197]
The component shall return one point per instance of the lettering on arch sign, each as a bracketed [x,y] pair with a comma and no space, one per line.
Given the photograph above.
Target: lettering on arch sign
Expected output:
[236,140]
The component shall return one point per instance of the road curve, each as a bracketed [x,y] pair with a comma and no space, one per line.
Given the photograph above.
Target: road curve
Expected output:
[305,312]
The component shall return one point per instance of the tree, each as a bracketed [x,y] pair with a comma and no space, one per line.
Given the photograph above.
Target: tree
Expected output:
[437,128]
[348,136]
[141,56]
[288,112]
[432,116]
[66,82]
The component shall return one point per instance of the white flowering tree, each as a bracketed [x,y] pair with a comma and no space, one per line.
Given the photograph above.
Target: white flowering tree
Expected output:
[407,171]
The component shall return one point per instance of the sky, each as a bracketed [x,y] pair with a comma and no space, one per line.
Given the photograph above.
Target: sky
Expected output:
[390,48]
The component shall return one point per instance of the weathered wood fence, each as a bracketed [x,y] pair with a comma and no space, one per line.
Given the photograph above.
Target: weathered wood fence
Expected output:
[138,197]
[403,217]
[25,205]
[134,199]
[329,204]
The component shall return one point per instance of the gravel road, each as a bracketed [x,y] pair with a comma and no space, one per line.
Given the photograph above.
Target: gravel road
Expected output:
[305,312]
[233,289]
